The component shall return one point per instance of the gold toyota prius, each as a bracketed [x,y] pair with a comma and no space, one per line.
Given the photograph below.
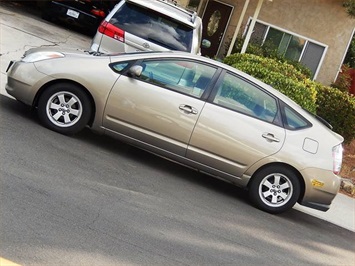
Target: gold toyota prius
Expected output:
[192,110]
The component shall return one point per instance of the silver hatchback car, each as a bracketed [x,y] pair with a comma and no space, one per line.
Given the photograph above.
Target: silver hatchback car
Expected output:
[148,25]
[190,109]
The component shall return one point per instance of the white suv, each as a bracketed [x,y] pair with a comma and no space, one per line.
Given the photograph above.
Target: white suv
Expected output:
[144,25]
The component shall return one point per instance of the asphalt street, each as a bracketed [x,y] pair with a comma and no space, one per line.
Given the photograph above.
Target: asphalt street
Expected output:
[18,35]
[89,200]
[86,201]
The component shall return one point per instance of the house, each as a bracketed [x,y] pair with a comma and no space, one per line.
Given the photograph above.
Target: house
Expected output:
[315,32]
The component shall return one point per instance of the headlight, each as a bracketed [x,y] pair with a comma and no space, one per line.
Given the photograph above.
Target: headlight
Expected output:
[38,56]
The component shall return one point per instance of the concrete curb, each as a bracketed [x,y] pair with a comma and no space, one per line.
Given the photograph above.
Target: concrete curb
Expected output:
[341,212]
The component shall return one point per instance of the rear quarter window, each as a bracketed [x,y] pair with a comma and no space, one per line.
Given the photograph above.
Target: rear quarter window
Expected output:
[293,120]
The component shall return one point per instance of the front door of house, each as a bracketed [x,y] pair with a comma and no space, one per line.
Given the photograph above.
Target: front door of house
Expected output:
[215,20]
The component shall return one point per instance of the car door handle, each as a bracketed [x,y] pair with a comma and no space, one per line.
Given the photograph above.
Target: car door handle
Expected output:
[270,137]
[188,109]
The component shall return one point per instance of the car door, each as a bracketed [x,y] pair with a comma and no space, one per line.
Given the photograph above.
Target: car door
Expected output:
[239,126]
[160,107]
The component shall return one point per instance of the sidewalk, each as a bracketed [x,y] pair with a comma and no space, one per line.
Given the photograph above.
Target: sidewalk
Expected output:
[341,212]
[19,33]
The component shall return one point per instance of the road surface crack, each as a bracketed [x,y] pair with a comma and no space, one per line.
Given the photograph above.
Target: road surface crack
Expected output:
[52,43]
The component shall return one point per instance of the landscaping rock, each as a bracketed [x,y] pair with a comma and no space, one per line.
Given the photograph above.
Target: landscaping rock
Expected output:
[347,187]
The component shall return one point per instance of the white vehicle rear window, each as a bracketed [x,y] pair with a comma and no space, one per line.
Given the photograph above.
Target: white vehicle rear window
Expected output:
[153,27]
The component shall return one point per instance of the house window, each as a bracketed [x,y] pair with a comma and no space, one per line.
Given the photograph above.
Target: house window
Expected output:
[291,46]
[287,44]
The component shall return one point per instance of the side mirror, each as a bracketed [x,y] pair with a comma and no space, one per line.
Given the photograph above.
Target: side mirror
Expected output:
[135,71]
[206,43]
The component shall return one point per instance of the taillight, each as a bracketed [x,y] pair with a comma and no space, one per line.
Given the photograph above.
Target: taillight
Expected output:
[337,158]
[111,31]
[102,26]
[98,13]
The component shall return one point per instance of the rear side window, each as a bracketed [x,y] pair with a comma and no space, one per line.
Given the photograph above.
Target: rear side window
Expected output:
[153,27]
[237,94]
[183,76]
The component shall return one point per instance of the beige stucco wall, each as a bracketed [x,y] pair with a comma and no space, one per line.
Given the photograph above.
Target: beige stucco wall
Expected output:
[323,21]
[183,2]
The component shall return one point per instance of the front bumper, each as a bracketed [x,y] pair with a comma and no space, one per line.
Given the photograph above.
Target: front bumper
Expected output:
[321,187]
[23,81]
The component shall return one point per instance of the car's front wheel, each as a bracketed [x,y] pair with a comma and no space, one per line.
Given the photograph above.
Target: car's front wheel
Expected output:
[274,189]
[64,108]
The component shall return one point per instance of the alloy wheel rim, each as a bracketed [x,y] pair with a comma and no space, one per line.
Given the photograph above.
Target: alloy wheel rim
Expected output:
[275,190]
[64,109]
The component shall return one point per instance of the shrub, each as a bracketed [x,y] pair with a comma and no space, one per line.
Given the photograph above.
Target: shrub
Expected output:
[350,7]
[338,109]
[350,55]
[335,106]
[343,81]
[269,50]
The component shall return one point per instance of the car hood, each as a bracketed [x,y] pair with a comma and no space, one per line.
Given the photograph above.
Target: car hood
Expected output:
[66,51]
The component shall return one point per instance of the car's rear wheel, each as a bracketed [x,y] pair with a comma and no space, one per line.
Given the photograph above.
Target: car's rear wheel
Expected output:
[64,108]
[274,189]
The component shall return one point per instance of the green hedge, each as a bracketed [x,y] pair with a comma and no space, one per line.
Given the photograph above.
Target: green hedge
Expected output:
[337,107]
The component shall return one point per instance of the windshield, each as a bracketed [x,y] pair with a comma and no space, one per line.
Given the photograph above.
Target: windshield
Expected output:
[153,27]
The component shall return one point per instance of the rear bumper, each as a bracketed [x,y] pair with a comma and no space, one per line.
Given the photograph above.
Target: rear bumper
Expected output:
[321,187]
[56,10]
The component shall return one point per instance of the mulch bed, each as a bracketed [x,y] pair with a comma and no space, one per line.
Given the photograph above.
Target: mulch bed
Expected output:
[348,167]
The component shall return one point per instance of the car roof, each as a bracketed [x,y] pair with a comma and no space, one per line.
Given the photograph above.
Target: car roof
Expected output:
[178,13]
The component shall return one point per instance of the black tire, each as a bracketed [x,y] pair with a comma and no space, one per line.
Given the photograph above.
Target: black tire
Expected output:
[64,108]
[274,189]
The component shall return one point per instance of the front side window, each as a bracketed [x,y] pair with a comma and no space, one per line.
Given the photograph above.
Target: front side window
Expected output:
[187,77]
[237,94]
[119,67]
[153,27]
